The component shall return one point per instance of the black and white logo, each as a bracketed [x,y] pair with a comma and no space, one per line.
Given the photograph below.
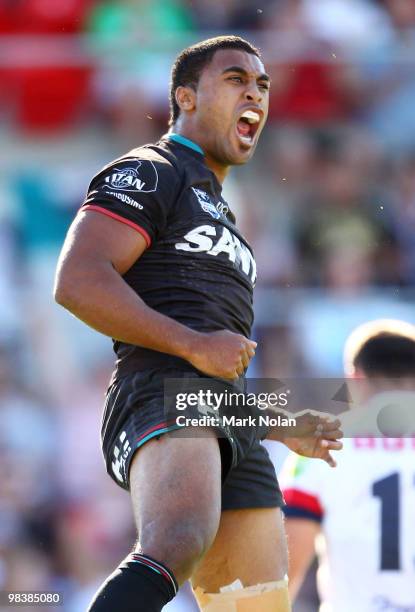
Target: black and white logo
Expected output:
[222,208]
[206,203]
[138,176]
[121,451]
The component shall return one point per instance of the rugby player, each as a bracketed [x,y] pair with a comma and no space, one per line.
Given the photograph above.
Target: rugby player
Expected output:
[365,514]
[155,261]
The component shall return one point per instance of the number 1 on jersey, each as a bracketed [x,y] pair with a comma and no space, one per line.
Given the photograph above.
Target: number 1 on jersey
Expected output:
[387,490]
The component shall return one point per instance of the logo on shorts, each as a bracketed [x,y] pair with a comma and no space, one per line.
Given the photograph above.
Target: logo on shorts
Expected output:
[138,176]
[120,452]
[206,203]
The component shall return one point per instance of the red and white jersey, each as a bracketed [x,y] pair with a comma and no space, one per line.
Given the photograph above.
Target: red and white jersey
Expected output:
[366,507]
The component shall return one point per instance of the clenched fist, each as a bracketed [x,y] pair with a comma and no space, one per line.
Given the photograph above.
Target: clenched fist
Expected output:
[222,354]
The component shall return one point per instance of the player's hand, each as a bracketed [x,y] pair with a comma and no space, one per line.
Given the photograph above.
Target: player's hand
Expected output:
[223,353]
[315,436]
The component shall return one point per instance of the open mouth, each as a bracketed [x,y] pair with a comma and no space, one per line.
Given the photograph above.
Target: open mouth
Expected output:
[247,126]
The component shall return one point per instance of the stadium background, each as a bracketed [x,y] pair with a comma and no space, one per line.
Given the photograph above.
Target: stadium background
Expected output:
[328,202]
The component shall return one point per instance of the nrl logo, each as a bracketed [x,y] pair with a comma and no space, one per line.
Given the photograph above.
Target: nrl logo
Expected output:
[206,203]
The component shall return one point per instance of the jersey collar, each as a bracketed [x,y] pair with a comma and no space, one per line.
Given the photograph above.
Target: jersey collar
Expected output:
[185,141]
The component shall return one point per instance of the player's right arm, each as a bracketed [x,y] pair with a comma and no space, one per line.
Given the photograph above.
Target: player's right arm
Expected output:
[97,251]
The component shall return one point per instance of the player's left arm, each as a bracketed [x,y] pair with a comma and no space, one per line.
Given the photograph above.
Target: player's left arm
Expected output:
[313,436]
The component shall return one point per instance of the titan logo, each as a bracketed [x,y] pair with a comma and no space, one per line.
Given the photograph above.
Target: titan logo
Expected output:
[199,241]
[125,179]
[138,175]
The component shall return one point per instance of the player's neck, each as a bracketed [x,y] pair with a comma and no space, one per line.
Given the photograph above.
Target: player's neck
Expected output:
[218,169]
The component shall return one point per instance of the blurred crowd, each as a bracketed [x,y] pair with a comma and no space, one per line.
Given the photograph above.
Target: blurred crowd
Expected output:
[328,203]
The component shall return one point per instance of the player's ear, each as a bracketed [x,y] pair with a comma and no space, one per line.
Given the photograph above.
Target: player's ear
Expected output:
[186,98]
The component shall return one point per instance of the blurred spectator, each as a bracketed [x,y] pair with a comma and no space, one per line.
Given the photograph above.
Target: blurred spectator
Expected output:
[133,75]
[321,321]
[401,13]
[49,86]
[280,355]
[51,97]
[43,16]
[347,24]
[388,70]
[22,412]
[28,445]
[402,197]
[86,543]
[80,457]
[231,15]
[139,21]
[9,303]
[342,217]
[284,169]
[55,195]
[311,81]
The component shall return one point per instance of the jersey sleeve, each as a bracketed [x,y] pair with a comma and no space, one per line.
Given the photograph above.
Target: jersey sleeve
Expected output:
[301,484]
[136,191]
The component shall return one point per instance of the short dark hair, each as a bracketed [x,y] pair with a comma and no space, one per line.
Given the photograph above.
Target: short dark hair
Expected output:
[190,63]
[383,349]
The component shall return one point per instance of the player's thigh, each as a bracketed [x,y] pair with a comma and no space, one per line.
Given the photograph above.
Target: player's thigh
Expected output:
[175,485]
[250,545]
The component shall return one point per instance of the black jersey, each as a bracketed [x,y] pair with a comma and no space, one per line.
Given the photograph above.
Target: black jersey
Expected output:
[198,269]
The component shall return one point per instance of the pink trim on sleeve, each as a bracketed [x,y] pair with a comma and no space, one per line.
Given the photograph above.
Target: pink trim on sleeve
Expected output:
[113,215]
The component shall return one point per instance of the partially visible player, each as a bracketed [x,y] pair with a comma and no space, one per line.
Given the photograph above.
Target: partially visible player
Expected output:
[361,516]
